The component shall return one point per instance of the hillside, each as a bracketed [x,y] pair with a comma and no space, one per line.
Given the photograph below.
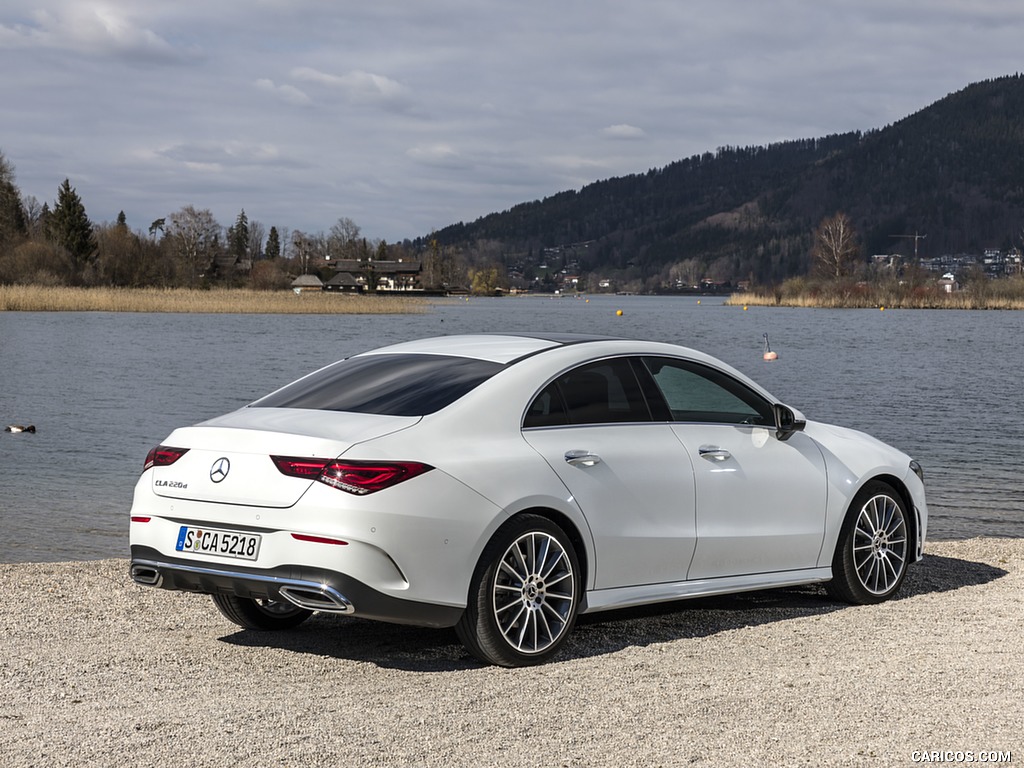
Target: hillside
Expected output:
[953,171]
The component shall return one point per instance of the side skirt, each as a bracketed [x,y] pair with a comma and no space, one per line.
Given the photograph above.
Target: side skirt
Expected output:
[624,597]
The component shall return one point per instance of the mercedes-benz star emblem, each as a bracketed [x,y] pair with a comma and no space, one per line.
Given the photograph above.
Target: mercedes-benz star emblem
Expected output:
[220,469]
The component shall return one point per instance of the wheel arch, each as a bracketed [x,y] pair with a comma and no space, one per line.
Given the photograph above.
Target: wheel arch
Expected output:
[913,534]
[567,524]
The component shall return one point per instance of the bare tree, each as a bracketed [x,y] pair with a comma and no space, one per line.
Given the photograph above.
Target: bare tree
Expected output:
[308,250]
[836,248]
[343,240]
[257,234]
[196,236]
[33,215]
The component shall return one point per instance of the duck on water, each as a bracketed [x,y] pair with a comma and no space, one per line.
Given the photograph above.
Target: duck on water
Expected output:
[20,428]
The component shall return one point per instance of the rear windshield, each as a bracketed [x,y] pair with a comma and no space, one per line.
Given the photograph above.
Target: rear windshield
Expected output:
[390,385]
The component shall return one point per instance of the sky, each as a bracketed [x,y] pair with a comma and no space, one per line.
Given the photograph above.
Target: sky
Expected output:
[406,117]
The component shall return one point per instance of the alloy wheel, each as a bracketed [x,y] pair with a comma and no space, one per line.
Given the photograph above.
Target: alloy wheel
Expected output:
[533,592]
[880,544]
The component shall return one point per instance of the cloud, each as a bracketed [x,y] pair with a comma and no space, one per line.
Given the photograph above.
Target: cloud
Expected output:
[574,163]
[438,156]
[359,86]
[624,131]
[286,93]
[213,156]
[94,29]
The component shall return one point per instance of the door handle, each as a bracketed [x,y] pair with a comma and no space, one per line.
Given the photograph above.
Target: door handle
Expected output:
[713,453]
[582,458]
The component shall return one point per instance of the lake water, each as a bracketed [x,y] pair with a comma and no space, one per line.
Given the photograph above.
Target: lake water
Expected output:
[103,388]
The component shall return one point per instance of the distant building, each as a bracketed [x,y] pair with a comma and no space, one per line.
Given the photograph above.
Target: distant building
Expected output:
[948,283]
[307,283]
[343,282]
[387,275]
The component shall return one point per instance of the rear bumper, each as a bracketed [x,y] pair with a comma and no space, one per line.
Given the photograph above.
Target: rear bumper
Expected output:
[315,589]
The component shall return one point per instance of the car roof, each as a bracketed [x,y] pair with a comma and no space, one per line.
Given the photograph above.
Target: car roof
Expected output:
[511,347]
[495,347]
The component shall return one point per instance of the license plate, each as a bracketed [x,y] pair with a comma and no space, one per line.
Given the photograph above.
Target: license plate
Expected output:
[212,541]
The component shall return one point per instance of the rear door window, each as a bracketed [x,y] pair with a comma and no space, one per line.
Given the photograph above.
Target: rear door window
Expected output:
[605,392]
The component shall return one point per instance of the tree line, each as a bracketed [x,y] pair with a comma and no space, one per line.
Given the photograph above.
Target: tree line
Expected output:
[58,244]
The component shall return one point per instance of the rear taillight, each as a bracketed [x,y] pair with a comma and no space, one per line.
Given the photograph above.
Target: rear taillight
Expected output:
[358,477]
[163,456]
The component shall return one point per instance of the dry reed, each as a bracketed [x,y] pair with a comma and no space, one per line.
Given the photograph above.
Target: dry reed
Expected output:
[34,298]
[882,298]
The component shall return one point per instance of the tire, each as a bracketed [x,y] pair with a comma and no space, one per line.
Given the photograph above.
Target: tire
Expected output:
[873,550]
[260,614]
[524,596]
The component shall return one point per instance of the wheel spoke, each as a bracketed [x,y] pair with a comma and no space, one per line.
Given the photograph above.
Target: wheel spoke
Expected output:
[556,560]
[542,620]
[558,580]
[520,561]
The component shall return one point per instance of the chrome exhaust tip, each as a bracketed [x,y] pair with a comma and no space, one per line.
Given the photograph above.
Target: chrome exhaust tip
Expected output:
[317,598]
[145,574]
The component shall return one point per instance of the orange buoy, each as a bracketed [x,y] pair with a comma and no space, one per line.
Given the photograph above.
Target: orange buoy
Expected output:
[768,354]
[618,313]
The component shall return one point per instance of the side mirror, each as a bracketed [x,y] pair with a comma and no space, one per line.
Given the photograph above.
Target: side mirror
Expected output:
[787,421]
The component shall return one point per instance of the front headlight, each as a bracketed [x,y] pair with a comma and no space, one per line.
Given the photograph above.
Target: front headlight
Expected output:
[918,469]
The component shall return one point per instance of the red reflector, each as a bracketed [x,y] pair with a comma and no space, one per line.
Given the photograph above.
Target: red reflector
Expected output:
[163,456]
[358,477]
[140,519]
[318,539]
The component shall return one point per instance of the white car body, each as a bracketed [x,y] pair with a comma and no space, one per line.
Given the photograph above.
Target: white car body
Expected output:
[656,510]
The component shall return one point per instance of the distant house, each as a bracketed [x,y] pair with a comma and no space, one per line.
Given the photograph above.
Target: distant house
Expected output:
[570,282]
[307,283]
[386,275]
[344,282]
[948,283]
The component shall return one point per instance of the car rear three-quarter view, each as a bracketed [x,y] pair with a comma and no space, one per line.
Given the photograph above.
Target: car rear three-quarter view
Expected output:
[504,484]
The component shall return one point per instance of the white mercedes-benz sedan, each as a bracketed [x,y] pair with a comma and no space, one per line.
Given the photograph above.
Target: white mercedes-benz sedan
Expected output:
[504,484]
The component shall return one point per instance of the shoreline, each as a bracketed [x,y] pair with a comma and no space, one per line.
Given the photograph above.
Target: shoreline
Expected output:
[34,298]
[29,298]
[870,300]
[100,670]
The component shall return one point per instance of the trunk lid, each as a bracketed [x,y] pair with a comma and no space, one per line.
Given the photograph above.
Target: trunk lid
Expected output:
[228,459]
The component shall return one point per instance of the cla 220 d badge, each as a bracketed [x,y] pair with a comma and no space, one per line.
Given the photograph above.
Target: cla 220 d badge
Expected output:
[220,469]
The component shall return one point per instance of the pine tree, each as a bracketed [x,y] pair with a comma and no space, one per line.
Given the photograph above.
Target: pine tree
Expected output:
[273,249]
[69,227]
[12,215]
[238,238]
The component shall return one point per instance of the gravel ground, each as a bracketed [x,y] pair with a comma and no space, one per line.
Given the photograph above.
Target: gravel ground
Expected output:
[98,671]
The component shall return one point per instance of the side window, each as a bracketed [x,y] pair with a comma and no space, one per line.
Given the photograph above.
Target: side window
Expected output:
[697,393]
[547,409]
[597,393]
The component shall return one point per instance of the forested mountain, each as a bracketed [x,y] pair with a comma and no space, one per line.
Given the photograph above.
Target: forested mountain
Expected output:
[953,171]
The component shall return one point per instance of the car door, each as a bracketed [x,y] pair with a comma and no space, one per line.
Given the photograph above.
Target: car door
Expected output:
[760,500]
[630,477]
